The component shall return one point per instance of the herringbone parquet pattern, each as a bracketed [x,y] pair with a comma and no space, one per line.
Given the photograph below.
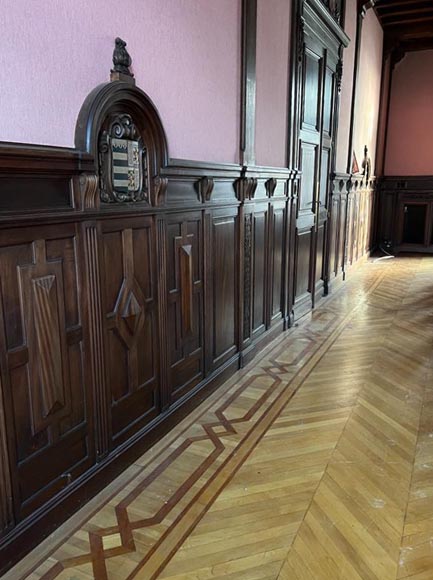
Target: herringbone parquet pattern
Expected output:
[314,463]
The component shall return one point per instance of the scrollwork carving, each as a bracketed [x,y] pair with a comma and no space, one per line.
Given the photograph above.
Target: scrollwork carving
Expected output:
[159,191]
[89,198]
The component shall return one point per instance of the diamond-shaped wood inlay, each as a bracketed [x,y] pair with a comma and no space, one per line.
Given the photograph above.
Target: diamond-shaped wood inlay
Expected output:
[131,313]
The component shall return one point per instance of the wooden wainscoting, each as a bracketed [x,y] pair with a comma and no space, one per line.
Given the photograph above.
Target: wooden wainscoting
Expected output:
[117,317]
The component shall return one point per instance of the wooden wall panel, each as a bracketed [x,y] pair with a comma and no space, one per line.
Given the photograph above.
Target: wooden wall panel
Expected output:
[185,262]
[276,262]
[260,219]
[131,330]
[222,285]
[47,407]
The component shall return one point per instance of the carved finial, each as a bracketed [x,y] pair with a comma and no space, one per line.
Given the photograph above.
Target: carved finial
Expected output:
[121,61]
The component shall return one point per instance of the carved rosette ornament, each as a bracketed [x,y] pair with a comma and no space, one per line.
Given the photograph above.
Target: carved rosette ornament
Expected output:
[123,175]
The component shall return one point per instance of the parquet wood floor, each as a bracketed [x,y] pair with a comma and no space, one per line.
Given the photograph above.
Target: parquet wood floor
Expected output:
[316,462]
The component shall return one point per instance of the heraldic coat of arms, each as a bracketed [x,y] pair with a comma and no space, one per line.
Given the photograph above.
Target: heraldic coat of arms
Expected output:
[123,162]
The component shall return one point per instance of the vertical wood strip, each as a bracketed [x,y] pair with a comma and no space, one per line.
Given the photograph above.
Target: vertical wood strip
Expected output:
[96,336]
[6,513]
[48,340]
[333,167]
[186,288]
[248,86]
[162,313]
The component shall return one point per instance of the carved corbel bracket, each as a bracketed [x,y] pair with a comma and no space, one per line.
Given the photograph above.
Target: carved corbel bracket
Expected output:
[270,185]
[89,191]
[204,188]
[245,188]
[159,191]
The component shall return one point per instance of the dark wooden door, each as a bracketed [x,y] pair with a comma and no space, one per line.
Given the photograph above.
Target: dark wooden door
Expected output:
[317,97]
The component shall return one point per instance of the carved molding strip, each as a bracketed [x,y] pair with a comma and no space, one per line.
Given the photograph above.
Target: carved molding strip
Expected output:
[339,73]
[186,288]
[247,275]
[96,331]
[162,309]
[6,513]
[300,39]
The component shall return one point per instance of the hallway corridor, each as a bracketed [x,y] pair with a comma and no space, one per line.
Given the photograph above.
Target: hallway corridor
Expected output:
[316,462]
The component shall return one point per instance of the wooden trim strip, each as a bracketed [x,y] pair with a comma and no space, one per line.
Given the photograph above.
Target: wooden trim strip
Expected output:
[248,82]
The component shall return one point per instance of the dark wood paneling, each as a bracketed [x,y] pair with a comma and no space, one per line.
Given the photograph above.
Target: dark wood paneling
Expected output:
[6,507]
[47,407]
[405,221]
[131,330]
[185,262]
[222,283]
[317,75]
[277,261]
[260,218]
[35,194]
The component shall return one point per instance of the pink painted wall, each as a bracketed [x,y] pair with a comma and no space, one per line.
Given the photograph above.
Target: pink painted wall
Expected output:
[368,93]
[410,130]
[272,69]
[346,88]
[186,57]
